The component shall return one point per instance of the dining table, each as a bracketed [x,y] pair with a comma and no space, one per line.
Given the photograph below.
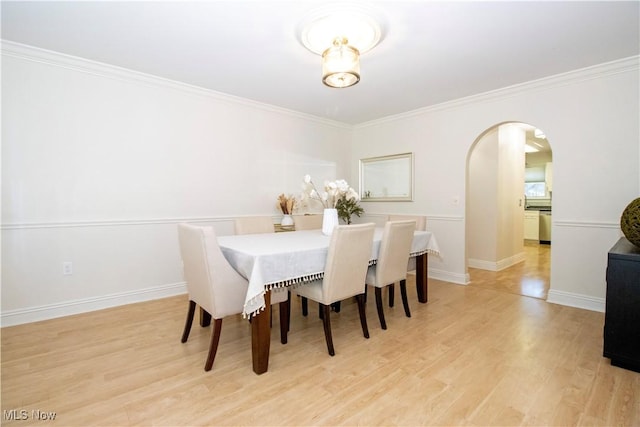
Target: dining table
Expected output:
[273,262]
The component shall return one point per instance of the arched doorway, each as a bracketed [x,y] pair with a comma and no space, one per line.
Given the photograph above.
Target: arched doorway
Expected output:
[503,250]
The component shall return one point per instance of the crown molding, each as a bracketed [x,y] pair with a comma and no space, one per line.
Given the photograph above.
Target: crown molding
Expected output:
[87,66]
[624,65]
[44,56]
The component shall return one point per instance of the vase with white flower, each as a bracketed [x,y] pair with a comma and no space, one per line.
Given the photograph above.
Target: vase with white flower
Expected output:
[334,191]
[286,204]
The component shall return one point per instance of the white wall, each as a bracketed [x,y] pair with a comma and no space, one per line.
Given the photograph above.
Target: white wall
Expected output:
[482,199]
[591,118]
[511,140]
[99,164]
[495,213]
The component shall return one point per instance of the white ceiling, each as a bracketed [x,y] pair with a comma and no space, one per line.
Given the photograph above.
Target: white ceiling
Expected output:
[431,52]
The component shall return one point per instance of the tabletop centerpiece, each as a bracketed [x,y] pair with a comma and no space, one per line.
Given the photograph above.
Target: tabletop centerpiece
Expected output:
[337,198]
[286,204]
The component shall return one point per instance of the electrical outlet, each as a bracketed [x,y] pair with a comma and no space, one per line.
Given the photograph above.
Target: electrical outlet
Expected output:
[67,268]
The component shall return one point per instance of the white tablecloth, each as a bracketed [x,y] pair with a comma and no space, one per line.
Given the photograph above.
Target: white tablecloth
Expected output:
[278,260]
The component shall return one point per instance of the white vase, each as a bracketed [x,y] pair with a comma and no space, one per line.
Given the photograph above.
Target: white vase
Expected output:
[287,220]
[329,221]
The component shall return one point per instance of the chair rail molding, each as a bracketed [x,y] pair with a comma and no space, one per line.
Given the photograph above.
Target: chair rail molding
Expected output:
[119,223]
[586,224]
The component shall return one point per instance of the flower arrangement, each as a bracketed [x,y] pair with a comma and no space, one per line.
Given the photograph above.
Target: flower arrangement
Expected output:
[286,204]
[348,207]
[333,191]
[337,195]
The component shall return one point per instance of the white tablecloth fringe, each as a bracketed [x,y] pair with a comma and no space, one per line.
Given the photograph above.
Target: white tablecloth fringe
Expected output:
[298,281]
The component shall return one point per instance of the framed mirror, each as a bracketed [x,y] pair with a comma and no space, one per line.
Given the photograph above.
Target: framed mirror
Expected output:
[387,178]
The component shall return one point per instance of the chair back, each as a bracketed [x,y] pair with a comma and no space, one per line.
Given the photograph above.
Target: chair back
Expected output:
[421,220]
[395,248]
[211,281]
[347,262]
[253,225]
[307,222]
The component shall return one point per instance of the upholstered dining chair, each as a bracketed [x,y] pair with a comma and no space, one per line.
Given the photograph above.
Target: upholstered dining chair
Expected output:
[421,225]
[253,225]
[264,224]
[391,267]
[307,222]
[212,283]
[344,275]
[421,220]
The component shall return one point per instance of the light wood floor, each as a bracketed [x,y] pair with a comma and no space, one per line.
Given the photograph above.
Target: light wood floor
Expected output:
[471,356]
[529,278]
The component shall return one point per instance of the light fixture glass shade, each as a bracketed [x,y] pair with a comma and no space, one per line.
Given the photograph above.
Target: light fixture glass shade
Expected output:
[340,65]
[529,149]
[539,134]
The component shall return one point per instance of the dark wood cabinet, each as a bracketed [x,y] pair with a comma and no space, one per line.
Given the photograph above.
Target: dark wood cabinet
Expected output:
[622,315]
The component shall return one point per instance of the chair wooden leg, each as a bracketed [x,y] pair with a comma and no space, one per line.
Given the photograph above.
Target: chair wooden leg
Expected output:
[392,294]
[189,322]
[363,315]
[213,347]
[284,321]
[334,306]
[205,318]
[305,306]
[326,322]
[383,324]
[405,301]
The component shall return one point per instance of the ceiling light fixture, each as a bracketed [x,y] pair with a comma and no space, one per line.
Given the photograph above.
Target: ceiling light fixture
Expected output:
[341,64]
[340,35]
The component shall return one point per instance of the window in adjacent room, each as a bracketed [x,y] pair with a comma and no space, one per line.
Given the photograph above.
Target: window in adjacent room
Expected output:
[535,189]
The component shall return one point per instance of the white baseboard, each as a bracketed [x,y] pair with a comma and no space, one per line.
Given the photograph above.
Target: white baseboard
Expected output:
[447,276]
[496,266]
[51,311]
[576,300]
[68,308]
